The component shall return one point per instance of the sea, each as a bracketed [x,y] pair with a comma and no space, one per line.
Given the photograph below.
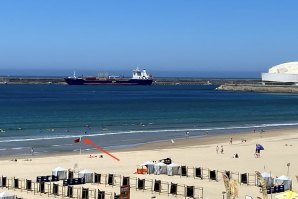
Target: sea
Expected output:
[48,118]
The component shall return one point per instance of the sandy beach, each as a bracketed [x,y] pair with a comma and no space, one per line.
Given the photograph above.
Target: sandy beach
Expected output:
[281,146]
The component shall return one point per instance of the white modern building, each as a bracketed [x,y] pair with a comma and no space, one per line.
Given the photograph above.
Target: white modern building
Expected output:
[286,73]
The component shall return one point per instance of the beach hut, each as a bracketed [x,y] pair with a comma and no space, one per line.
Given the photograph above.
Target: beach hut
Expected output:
[150,166]
[173,169]
[7,195]
[285,181]
[60,173]
[268,179]
[160,168]
[87,175]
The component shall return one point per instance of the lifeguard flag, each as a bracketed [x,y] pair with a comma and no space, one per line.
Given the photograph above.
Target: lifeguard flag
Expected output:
[77,140]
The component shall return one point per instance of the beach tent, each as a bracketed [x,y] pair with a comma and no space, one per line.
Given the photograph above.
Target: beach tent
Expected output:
[87,175]
[149,165]
[60,173]
[284,180]
[287,195]
[173,169]
[268,179]
[160,168]
[7,195]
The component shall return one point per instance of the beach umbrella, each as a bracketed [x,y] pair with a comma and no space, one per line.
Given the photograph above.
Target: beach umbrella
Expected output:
[263,184]
[234,188]
[227,185]
[259,147]
[287,195]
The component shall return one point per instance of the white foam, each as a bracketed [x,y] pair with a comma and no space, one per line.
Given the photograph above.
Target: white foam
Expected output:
[17,148]
[147,131]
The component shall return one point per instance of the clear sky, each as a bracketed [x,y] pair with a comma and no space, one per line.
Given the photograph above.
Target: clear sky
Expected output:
[222,38]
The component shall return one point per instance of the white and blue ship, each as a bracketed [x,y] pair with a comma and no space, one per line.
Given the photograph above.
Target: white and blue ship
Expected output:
[139,77]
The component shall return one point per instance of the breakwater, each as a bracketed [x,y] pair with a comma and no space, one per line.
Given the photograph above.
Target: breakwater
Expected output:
[32,80]
[157,81]
[244,85]
[259,88]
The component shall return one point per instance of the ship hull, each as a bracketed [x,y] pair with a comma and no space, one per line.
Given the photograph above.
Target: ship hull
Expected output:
[80,81]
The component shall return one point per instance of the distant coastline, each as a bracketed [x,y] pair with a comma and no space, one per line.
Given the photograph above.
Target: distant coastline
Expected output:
[157,81]
[221,84]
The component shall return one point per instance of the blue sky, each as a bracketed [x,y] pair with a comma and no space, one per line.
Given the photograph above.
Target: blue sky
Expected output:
[167,37]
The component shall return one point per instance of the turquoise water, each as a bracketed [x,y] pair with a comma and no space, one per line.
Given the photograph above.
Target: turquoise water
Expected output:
[49,117]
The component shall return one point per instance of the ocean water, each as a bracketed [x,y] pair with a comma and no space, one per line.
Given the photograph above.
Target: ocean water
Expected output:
[50,117]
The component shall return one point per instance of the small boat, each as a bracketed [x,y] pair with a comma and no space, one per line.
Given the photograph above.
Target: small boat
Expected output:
[139,77]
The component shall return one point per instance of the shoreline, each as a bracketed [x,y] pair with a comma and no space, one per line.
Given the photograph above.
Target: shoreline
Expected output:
[209,139]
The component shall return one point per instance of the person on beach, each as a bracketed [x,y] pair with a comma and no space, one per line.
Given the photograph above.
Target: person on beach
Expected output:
[235,155]
[217,149]
[231,141]
[222,149]
[187,134]
[257,154]
[32,151]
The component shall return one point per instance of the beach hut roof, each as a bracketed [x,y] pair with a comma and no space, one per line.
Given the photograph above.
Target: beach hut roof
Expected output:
[265,174]
[173,165]
[6,194]
[147,163]
[283,177]
[59,169]
[85,171]
[160,164]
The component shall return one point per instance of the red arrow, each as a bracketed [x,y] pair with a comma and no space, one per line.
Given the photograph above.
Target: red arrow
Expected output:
[88,141]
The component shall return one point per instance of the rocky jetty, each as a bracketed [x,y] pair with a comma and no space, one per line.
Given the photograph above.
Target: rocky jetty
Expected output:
[259,88]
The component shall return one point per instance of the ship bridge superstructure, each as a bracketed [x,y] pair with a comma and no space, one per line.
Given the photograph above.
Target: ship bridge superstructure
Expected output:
[140,74]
